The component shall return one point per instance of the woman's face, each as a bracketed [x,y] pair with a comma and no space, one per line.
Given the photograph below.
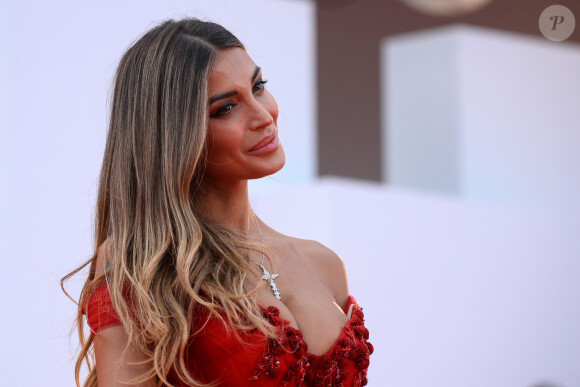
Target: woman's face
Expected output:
[243,133]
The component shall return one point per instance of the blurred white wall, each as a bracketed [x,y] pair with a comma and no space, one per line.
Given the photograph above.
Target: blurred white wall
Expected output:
[456,292]
[483,113]
[57,62]
[477,255]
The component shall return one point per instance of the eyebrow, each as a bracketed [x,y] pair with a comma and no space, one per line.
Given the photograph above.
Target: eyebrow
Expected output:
[227,94]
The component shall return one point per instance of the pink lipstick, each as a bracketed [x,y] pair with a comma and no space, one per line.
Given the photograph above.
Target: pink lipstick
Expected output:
[268,145]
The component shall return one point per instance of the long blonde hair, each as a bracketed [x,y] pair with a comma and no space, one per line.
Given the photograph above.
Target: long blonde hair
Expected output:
[171,258]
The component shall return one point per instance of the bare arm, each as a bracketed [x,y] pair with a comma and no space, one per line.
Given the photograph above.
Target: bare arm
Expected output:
[117,365]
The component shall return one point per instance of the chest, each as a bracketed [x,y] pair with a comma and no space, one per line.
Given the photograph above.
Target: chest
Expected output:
[308,303]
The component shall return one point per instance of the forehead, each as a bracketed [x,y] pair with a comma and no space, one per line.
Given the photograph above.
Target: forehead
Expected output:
[231,66]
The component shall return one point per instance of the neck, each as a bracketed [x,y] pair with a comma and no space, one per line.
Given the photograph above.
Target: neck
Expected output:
[227,205]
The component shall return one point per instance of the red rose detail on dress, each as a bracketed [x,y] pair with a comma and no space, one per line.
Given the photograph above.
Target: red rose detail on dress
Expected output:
[346,362]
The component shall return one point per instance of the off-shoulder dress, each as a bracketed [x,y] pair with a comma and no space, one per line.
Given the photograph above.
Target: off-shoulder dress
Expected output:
[217,355]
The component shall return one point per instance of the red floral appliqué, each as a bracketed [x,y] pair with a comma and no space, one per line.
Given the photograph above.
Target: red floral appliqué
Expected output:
[328,370]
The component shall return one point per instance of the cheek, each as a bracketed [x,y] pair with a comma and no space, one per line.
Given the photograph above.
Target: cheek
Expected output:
[214,144]
[222,143]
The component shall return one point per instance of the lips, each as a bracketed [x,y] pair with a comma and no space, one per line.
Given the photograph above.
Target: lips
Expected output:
[266,145]
[266,140]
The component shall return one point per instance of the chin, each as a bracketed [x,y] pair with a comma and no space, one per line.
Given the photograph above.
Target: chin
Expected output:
[281,156]
[279,168]
[275,164]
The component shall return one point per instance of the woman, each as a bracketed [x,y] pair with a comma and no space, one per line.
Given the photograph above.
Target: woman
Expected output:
[187,285]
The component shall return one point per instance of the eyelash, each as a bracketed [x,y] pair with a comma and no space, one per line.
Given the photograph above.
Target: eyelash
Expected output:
[222,111]
[260,84]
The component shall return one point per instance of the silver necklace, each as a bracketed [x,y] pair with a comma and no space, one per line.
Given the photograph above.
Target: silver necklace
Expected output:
[265,273]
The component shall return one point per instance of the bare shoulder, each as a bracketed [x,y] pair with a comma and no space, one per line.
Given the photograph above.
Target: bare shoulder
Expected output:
[318,253]
[103,256]
[328,264]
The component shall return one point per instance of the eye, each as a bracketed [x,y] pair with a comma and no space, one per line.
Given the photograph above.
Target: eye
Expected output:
[222,111]
[259,86]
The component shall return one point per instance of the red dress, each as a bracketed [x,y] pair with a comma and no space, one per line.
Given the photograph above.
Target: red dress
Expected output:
[216,354]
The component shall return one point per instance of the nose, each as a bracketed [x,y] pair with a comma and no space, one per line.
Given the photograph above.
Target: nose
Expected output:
[261,116]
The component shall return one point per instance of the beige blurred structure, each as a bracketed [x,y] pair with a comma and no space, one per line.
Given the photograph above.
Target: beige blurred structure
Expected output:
[349,35]
[446,7]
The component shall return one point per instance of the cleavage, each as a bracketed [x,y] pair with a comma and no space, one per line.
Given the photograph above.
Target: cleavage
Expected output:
[321,324]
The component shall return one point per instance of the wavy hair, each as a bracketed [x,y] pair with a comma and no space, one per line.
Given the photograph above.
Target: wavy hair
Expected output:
[165,259]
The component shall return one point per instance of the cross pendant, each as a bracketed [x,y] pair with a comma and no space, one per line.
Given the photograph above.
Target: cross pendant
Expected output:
[270,278]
